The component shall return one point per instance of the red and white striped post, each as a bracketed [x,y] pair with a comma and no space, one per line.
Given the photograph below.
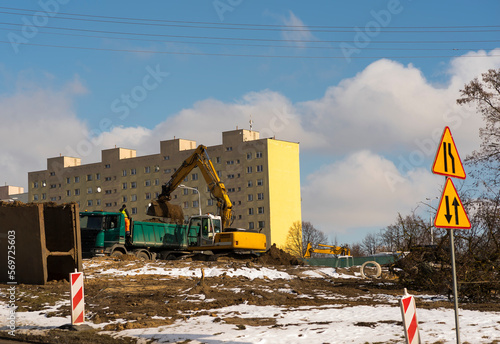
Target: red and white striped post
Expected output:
[77,302]
[409,313]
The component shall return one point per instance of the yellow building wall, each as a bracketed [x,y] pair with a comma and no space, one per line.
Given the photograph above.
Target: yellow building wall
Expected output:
[284,188]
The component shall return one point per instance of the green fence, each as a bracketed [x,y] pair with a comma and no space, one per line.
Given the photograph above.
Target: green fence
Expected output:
[343,262]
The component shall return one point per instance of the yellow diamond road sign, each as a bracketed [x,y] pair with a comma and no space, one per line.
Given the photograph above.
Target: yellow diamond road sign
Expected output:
[451,212]
[447,161]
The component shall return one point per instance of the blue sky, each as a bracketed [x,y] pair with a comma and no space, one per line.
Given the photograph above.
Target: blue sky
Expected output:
[365,119]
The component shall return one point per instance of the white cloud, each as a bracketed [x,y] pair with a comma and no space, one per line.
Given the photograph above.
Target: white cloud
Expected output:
[36,123]
[297,31]
[363,190]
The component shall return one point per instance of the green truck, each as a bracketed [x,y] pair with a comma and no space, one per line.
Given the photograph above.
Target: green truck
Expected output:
[103,234]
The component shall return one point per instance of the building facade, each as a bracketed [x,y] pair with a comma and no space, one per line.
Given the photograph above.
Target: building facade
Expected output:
[9,193]
[261,176]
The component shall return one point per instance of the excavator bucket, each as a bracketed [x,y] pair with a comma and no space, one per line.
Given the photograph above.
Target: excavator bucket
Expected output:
[164,209]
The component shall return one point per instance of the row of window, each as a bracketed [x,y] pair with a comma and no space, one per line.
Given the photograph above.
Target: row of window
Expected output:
[147,169]
[260,224]
[260,210]
[133,185]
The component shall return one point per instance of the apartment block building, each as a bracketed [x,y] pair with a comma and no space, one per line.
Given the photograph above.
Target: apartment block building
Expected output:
[261,176]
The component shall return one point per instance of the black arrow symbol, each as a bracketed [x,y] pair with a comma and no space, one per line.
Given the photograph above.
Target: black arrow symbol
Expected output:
[456,205]
[451,157]
[448,215]
[445,157]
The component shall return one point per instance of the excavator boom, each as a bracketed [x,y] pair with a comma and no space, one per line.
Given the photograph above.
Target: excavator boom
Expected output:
[199,159]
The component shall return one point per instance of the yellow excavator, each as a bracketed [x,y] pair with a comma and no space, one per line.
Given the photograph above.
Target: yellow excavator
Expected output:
[206,232]
[327,249]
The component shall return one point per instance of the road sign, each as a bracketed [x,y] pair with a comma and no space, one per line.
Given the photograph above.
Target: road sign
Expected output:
[447,161]
[77,300]
[451,212]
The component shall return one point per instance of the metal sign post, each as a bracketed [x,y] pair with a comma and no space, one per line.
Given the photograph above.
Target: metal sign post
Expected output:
[451,213]
[455,292]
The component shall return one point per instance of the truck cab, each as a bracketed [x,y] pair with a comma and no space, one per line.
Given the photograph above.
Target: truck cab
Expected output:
[202,230]
[101,230]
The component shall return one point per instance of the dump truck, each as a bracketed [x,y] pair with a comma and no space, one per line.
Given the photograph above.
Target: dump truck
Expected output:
[103,234]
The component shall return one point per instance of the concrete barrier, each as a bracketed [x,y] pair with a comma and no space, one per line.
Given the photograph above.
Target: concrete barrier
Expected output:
[39,242]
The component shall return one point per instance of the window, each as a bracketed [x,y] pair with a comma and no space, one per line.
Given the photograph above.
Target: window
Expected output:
[249,183]
[230,162]
[90,203]
[194,176]
[107,179]
[229,149]
[89,177]
[53,186]
[89,190]
[239,188]
[260,210]
[217,159]
[109,205]
[124,199]
[260,182]
[249,156]
[124,173]
[44,184]
[167,170]
[124,186]
[134,210]
[250,211]
[77,179]
[98,202]
[230,176]
[157,168]
[77,192]
[186,205]
[35,184]
[250,225]
[157,181]
[147,169]
[107,166]
[258,155]
[186,191]
[260,168]
[133,185]
[249,169]
[261,224]
[166,157]
[195,191]
[231,190]
[157,194]
[239,217]
[44,196]
[148,195]
[195,204]
[210,202]
[260,196]
[68,180]
[133,198]
[97,176]
[53,199]
[250,197]
[52,174]
[133,171]
[108,192]
[35,197]
[147,183]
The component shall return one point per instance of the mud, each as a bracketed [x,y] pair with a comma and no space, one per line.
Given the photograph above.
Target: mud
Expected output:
[140,301]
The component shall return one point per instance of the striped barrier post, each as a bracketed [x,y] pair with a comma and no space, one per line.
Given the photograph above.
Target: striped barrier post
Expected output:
[77,302]
[409,313]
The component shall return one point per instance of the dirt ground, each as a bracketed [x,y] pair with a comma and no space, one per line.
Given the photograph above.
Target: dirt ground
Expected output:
[155,300]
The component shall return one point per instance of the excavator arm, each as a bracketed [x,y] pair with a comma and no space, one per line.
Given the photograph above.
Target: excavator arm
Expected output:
[199,159]
[327,249]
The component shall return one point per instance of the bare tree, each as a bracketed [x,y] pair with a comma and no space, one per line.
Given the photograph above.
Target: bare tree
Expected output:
[294,244]
[408,231]
[300,234]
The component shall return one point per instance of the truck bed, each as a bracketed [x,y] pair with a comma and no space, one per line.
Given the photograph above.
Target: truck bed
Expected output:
[159,235]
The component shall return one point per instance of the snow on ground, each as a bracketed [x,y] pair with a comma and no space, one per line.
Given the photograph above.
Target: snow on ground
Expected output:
[330,323]
[250,273]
